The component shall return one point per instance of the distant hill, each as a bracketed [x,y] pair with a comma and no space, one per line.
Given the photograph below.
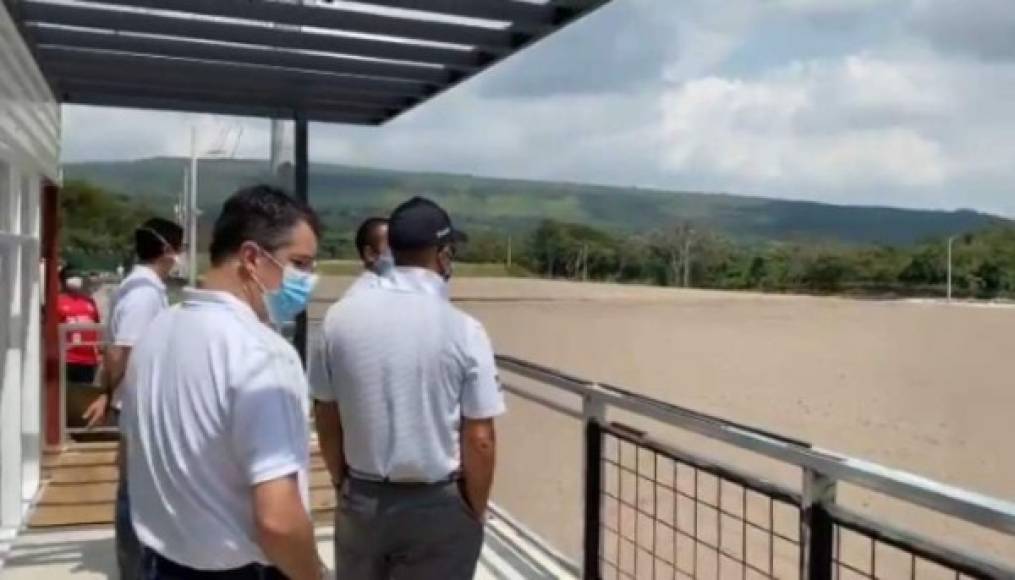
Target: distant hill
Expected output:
[344,195]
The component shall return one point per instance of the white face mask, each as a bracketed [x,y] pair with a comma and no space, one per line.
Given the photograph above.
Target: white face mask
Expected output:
[385,263]
[447,261]
[75,283]
[179,266]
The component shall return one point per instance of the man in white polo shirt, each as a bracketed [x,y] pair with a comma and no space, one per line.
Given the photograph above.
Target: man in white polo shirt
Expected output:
[137,301]
[373,250]
[216,408]
[406,393]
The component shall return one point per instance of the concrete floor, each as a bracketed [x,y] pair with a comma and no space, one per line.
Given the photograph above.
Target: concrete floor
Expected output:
[88,554]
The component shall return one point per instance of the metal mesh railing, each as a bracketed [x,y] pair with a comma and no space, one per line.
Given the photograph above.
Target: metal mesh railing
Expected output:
[871,550]
[656,512]
[668,514]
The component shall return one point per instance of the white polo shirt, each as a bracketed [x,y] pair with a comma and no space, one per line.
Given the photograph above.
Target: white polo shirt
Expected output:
[216,403]
[137,301]
[404,366]
[368,279]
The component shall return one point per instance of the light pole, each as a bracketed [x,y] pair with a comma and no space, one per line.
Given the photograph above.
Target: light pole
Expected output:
[191,211]
[951,242]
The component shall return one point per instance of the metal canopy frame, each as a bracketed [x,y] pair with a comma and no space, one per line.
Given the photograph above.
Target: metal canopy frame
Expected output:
[362,62]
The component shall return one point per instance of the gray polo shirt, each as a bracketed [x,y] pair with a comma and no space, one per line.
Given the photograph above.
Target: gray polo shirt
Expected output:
[405,366]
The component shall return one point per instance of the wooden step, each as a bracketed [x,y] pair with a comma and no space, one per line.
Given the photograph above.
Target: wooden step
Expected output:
[84,474]
[59,513]
[71,515]
[81,482]
[78,493]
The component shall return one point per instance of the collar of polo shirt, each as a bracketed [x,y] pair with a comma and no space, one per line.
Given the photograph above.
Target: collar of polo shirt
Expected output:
[417,280]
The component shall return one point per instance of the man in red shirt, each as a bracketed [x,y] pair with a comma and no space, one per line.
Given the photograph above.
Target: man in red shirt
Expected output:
[76,306]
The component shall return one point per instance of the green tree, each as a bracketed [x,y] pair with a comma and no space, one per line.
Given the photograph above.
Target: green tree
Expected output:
[98,226]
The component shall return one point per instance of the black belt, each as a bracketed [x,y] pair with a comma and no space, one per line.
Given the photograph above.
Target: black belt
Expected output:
[165,567]
[371,478]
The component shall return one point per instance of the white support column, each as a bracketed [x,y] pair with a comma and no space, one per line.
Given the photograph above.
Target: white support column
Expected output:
[11,509]
[31,396]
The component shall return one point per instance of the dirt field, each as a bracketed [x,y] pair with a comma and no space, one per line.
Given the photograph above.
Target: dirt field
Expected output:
[928,388]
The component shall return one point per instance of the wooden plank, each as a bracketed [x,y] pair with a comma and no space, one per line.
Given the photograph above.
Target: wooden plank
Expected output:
[85,474]
[53,516]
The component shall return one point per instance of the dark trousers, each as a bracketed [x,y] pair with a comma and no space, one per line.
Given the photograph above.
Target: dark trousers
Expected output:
[157,567]
[399,531]
[82,374]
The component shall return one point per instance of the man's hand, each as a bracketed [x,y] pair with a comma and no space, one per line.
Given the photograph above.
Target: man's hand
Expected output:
[113,369]
[96,413]
[329,435]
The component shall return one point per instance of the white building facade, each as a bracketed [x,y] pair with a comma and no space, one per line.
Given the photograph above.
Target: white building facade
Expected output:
[29,155]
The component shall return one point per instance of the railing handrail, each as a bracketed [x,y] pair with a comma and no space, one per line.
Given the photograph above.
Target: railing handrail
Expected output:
[83,326]
[973,507]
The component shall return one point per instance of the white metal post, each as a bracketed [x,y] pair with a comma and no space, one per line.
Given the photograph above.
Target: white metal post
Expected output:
[593,419]
[191,212]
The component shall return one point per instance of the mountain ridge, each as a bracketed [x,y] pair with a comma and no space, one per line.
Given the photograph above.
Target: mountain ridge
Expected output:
[490,204]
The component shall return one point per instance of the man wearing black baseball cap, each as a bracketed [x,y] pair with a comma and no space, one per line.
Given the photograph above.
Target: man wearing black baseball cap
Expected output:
[406,393]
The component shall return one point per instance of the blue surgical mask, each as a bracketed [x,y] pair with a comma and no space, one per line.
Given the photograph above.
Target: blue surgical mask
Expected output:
[292,297]
[384,263]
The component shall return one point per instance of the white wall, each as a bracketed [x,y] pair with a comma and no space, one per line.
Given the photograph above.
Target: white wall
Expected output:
[29,152]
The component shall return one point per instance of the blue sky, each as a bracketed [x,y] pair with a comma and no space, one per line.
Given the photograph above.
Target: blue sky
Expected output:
[890,102]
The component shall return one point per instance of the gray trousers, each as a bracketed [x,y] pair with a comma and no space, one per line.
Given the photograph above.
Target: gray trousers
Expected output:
[128,548]
[413,532]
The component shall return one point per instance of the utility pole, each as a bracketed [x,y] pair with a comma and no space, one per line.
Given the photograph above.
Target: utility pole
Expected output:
[509,252]
[585,262]
[951,242]
[687,259]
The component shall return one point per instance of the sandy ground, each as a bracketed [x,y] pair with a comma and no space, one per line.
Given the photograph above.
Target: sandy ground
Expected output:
[923,387]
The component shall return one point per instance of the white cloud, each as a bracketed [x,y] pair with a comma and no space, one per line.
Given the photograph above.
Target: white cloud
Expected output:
[862,128]
[853,101]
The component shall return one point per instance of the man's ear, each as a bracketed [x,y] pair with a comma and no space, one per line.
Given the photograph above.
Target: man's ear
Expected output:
[249,256]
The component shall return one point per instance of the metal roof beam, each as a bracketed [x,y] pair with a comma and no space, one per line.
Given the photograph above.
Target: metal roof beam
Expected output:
[70,89]
[57,58]
[78,38]
[238,109]
[336,18]
[119,20]
[241,87]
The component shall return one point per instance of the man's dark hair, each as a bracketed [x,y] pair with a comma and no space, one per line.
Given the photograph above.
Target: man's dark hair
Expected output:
[261,214]
[68,271]
[367,232]
[151,238]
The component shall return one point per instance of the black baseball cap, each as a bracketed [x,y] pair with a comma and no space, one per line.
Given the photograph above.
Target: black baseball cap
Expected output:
[420,223]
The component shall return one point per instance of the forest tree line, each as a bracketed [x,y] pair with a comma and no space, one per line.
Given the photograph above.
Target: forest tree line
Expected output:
[98,232]
[685,255]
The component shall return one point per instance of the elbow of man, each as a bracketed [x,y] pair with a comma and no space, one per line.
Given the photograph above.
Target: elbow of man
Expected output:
[481,437]
[275,529]
[278,512]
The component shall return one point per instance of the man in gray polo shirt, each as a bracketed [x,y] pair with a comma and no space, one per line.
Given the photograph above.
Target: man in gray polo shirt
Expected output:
[406,393]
